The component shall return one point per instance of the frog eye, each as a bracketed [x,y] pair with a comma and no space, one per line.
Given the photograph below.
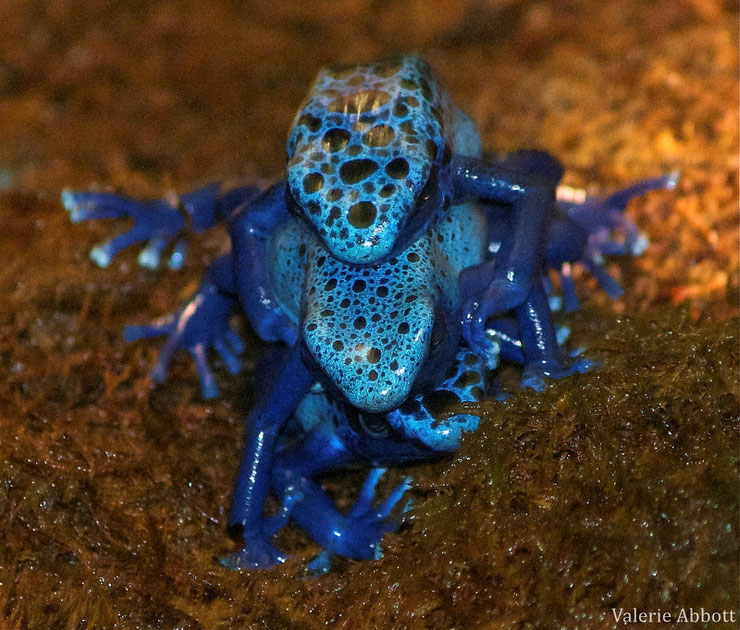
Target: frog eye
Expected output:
[293,206]
[428,202]
[438,330]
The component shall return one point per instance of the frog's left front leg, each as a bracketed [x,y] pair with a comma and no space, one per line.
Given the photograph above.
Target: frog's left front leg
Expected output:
[504,283]
[543,357]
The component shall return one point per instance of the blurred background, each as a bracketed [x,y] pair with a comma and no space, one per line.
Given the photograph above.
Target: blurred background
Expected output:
[146,96]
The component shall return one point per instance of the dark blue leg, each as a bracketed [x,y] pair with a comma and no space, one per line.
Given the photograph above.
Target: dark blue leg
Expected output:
[584,232]
[529,162]
[202,323]
[250,228]
[531,196]
[542,356]
[262,429]
[425,427]
[595,214]
[506,333]
[356,535]
[161,222]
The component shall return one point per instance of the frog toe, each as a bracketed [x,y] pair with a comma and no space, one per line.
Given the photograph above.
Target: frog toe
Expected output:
[90,206]
[535,375]
[150,256]
[320,565]
[366,525]
[257,554]
[208,385]
[161,326]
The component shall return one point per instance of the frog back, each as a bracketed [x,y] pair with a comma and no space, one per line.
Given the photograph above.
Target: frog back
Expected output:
[363,147]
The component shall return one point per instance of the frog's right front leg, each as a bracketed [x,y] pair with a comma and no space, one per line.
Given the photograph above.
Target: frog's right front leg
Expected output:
[261,433]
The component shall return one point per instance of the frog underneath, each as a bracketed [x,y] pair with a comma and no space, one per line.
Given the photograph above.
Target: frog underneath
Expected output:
[392,266]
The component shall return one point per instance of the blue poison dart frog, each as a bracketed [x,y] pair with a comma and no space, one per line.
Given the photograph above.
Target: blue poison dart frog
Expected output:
[393,264]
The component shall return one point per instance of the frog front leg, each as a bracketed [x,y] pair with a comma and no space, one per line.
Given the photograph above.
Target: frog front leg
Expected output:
[503,283]
[530,339]
[426,426]
[261,433]
[341,436]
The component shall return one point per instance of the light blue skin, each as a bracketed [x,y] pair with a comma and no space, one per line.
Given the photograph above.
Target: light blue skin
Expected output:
[362,148]
[397,320]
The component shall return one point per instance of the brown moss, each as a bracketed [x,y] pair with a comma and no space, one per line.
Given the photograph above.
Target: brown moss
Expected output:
[614,488]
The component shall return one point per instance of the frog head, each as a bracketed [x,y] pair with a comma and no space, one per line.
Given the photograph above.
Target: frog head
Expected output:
[377,333]
[365,158]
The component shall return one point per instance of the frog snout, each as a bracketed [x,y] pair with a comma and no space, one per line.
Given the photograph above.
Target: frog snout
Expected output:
[374,373]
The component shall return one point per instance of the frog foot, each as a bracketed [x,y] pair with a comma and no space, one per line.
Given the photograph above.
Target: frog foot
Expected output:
[319,566]
[607,232]
[157,222]
[258,553]
[486,345]
[534,375]
[363,528]
[202,323]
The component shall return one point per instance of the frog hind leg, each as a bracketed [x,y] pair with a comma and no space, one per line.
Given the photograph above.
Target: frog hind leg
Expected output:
[584,232]
[526,182]
[202,323]
[160,223]
[262,433]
